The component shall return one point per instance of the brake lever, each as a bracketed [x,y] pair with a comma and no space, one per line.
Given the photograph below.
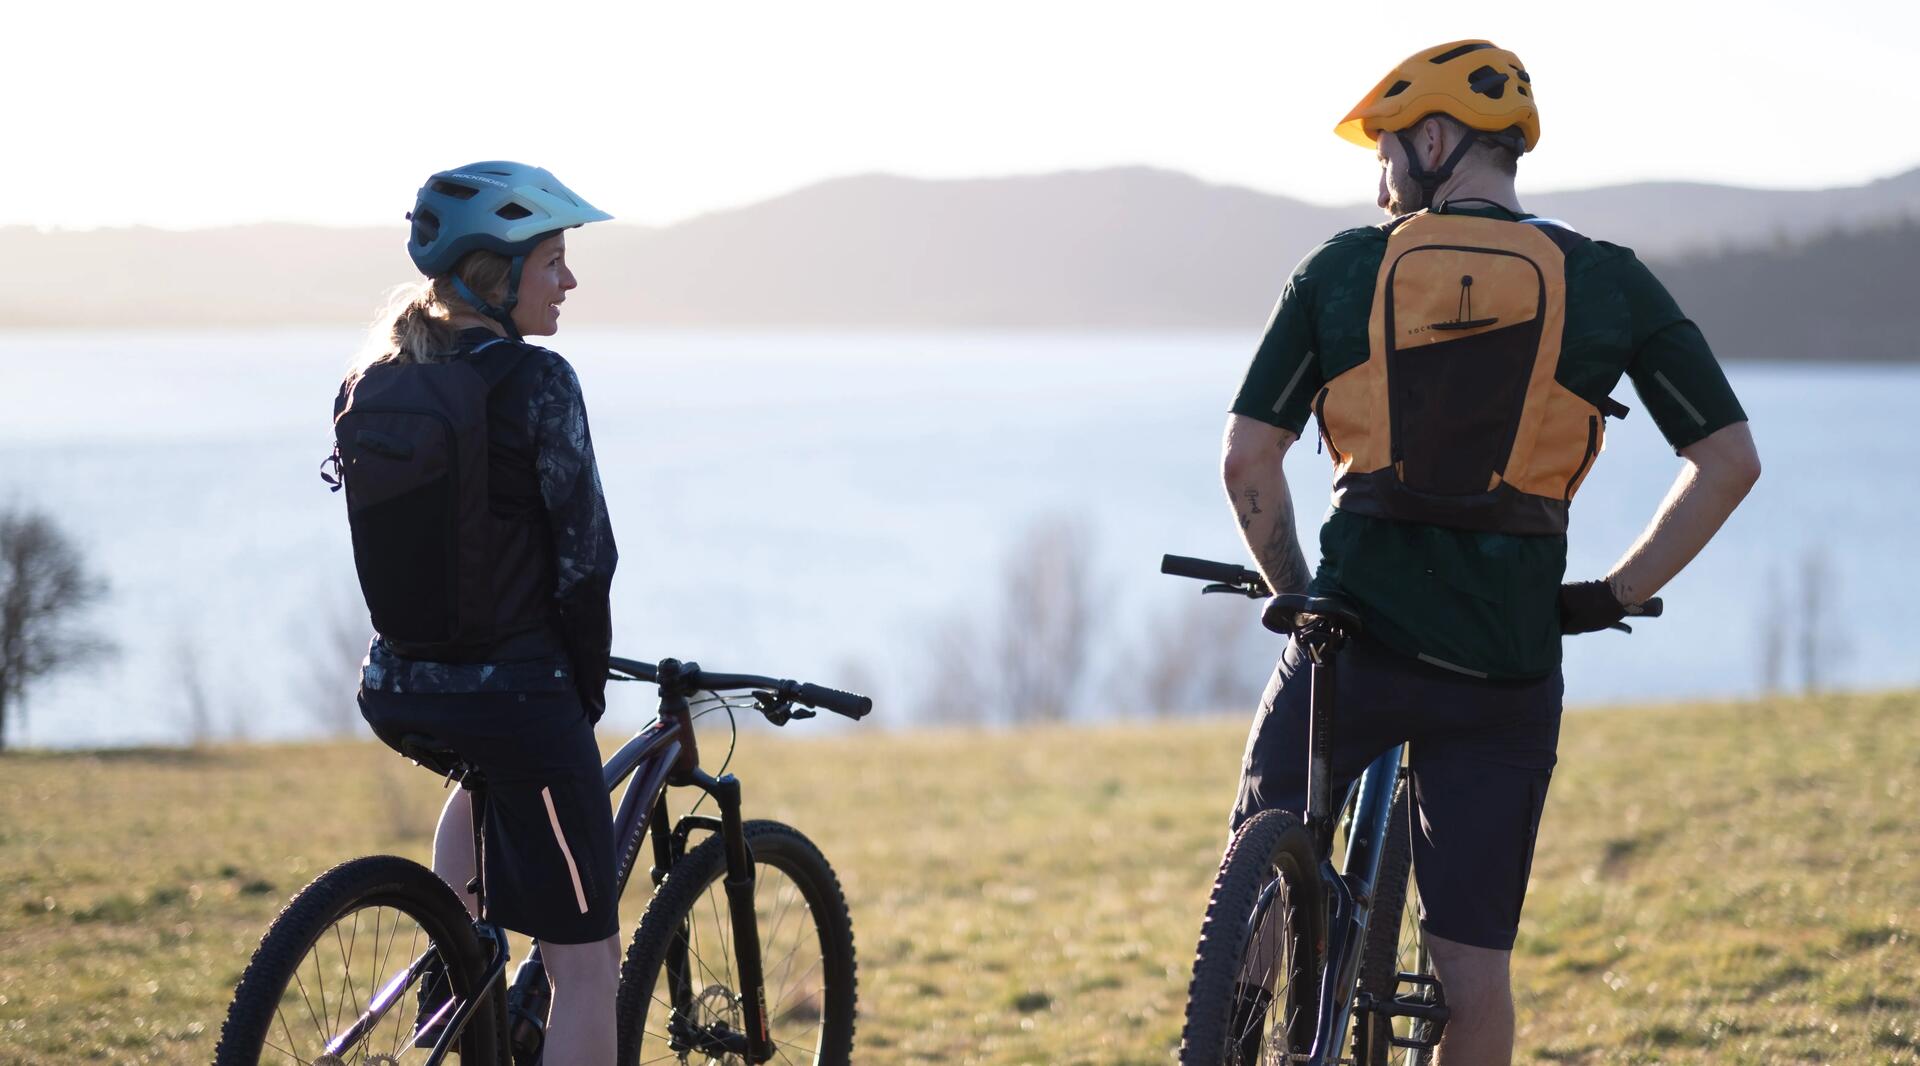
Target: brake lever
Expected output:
[1237,590]
[778,709]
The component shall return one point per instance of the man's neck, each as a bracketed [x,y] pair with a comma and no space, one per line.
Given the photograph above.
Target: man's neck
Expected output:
[1493,187]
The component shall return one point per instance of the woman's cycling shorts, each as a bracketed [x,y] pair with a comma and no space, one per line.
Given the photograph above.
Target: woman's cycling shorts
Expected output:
[547,863]
[1480,755]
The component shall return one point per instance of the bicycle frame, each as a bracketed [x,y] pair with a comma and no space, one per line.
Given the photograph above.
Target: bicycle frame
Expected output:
[1349,891]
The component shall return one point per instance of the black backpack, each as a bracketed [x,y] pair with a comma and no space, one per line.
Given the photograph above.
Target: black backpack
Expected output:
[410,448]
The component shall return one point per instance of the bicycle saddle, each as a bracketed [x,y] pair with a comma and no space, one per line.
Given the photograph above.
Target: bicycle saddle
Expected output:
[436,755]
[1288,612]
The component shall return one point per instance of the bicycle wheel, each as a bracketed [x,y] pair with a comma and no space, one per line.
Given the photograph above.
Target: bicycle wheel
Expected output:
[1393,944]
[686,934]
[1257,970]
[347,941]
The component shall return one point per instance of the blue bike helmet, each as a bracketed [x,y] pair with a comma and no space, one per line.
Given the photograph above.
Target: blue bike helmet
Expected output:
[501,207]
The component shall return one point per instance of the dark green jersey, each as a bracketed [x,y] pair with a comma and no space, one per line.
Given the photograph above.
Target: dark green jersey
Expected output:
[1482,603]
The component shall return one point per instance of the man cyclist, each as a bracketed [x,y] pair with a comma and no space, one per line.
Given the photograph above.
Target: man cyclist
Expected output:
[1459,361]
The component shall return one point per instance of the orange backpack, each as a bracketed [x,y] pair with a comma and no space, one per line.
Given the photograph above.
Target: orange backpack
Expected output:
[1456,419]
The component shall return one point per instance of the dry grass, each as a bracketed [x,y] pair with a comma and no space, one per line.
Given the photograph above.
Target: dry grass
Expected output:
[1729,883]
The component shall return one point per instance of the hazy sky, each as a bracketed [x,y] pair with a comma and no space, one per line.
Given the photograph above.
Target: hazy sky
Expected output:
[200,112]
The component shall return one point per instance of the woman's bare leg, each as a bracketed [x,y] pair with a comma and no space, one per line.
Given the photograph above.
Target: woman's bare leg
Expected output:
[580,1024]
[453,857]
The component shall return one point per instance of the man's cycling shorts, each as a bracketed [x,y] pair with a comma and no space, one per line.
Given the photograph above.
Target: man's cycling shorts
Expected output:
[548,847]
[1481,754]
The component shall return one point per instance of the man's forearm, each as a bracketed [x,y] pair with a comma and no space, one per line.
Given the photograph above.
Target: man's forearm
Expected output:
[1264,509]
[1712,484]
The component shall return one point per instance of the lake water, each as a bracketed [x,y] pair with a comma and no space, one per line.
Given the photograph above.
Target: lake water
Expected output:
[813,504]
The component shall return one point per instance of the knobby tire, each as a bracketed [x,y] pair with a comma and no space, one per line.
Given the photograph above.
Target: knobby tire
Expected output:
[1271,858]
[255,1027]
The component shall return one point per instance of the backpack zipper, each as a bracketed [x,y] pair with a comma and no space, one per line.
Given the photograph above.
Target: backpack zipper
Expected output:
[1593,450]
[1320,415]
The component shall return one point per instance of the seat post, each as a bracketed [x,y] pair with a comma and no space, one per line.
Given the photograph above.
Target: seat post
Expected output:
[1322,639]
[476,789]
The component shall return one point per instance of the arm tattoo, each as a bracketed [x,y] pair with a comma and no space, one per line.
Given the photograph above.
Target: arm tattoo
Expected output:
[1253,508]
[1280,558]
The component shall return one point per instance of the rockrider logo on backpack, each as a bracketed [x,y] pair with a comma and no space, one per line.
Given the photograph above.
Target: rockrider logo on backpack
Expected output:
[1464,341]
[411,450]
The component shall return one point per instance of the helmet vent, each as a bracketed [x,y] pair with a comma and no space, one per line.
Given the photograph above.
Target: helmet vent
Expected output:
[457,191]
[1488,82]
[1455,53]
[1523,74]
[511,212]
[426,225]
[1398,88]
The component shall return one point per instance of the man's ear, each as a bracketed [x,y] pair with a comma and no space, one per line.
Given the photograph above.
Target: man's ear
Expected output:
[1433,142]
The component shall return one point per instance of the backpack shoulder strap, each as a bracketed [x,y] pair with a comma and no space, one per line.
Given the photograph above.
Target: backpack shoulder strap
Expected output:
[493,360]
[1392,224]
[1558,232]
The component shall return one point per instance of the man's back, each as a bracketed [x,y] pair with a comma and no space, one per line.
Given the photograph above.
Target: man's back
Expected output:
[1485,603]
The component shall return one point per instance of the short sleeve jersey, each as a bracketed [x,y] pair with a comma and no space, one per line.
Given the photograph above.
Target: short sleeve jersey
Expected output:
[1485,604]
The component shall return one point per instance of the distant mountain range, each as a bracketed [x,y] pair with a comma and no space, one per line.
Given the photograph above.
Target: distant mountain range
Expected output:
[1831,269]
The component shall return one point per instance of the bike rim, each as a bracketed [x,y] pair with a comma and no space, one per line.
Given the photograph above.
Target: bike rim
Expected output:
[793,965]
[363,953]
[1269,974]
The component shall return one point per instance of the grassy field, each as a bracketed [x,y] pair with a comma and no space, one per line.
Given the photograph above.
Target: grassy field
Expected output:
[1726,883]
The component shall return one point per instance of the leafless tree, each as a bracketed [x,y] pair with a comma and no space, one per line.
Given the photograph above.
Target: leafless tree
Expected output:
[1195,659]
[330,634]
[1822,640]
[190,681]
[956,689]
[45,588]
[1045,620]
[1026,660]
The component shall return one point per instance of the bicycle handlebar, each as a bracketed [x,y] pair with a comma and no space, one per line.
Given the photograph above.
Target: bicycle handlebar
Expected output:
[831,699]
[1226,577]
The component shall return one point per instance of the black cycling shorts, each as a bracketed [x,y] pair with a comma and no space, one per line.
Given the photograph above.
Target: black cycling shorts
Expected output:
[548,846]
[1481,754]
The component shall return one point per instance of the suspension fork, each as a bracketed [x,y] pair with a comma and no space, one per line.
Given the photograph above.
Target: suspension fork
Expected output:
[739,885]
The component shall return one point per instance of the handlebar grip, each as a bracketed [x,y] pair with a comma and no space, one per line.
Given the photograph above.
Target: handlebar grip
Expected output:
[1650,609]
[1203,569]
[619,669]
[832,699]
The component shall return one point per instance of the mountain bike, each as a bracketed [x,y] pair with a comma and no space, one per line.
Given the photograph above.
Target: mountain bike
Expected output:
[1295,953]
[750,909]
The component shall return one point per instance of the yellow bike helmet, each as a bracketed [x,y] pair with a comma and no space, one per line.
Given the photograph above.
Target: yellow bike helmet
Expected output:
[1484,87]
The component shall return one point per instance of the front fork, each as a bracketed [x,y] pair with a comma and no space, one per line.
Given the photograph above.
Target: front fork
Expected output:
[756,1043]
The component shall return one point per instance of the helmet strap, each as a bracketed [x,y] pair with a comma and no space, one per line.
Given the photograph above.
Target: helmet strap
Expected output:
[1431,180]
[504,313]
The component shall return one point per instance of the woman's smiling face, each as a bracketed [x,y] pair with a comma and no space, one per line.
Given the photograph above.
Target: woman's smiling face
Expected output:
[544,282]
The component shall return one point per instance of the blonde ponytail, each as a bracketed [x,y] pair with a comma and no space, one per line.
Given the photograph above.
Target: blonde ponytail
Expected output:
[415,323]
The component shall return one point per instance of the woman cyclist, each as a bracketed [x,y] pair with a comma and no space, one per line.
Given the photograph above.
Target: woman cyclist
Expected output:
[493,622]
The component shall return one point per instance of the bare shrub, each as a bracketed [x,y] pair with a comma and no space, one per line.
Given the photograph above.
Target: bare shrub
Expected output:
[1046,614]
[1191,660]
[45,588]
[332,636]
[1821,642]
[190,683]
[1027,660]
[956,689]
